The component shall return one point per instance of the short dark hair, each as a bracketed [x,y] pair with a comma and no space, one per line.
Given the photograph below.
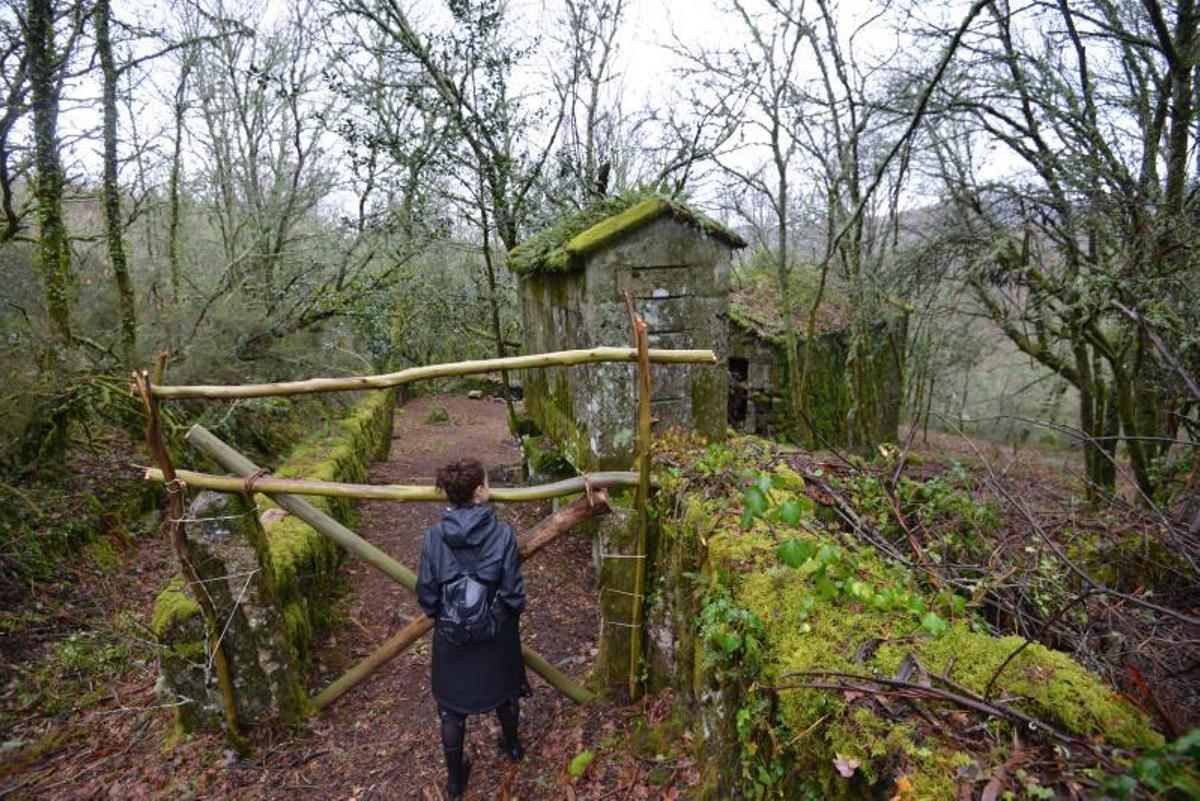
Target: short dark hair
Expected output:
[460,479]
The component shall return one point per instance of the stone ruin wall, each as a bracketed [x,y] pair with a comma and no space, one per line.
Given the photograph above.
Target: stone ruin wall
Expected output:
[679,280]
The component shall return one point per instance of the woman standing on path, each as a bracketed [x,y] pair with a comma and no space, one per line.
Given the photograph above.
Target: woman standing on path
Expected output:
[470,584]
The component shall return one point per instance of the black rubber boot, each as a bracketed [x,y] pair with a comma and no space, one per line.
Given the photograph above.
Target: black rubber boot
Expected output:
[510,742]
[458,769]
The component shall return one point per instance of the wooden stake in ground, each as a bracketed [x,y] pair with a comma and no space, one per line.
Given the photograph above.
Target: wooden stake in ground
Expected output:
[542,535]
[558,358]
[212,447]
[642,342]
[179,543]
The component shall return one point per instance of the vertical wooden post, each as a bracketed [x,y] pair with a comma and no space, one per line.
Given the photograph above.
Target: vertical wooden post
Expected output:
[642,498]
[179,543]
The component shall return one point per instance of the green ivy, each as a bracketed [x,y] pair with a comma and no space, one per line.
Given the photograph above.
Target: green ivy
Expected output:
[1172,771]
[833,569]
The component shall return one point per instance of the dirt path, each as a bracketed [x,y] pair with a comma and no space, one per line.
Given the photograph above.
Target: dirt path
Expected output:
[380,741]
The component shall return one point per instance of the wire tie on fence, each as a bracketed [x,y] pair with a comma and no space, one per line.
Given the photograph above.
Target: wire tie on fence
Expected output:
[174,485]
[587,488]
[252,479]
[622,592]
[253,511]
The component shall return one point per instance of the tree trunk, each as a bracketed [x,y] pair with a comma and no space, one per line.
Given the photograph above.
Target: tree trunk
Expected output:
[797,411]
[1181,112]
[110,191]
[175,179]
[54,255]
[494,302]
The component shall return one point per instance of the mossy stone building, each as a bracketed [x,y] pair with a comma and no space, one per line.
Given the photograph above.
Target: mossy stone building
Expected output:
[758,372]
[675,263]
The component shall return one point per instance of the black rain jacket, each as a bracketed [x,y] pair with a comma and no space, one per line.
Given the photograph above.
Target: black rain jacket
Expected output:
[476,677]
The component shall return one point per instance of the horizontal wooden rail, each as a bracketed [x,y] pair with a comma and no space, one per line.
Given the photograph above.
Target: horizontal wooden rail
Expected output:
[211,446]
[562,358]
[396,492]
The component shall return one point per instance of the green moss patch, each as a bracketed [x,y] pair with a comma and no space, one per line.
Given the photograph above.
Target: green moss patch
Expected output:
[172,607]
[562,246]
[780,599]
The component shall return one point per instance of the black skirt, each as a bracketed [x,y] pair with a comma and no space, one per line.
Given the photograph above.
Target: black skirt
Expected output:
[478,677]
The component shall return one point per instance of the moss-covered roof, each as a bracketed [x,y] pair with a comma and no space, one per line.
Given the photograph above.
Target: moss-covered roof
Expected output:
[755,307]
[563,246]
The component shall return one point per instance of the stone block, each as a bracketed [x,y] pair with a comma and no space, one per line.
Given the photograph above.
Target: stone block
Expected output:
[229,552]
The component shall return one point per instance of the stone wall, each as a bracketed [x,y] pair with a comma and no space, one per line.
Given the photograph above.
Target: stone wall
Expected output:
[297,563]
[727,620]
[679,281]
[230,553]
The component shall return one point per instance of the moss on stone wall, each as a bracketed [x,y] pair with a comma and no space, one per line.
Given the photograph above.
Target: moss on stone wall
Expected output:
[548,401]
[304,562]
[752,622]
[174,606]
[827,387]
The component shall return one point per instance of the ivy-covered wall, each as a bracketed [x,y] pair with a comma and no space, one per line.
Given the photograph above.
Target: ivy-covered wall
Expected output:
[303,562]
[754,594]
[763,408]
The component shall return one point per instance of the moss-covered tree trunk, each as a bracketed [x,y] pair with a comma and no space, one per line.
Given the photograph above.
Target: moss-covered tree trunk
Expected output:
[54,254]
[810,335]
[111,193]
[797,411]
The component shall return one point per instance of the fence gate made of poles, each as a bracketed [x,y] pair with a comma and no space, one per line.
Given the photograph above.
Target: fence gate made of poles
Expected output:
[248,478]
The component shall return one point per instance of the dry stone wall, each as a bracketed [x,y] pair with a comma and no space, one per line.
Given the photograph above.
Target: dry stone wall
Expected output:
[273,577]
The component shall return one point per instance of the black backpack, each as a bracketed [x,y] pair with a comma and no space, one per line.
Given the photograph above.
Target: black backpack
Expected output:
[465,614]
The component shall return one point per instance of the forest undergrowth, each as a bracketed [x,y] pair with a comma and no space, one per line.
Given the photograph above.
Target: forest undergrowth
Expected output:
[922,631]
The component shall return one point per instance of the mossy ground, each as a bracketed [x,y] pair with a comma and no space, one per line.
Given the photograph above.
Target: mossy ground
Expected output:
[767,626]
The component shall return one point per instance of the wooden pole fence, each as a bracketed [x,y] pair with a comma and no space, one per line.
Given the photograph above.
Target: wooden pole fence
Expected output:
[214,448]
[397,492]
[542,535]
[557,358]
[183,551]
[641,340]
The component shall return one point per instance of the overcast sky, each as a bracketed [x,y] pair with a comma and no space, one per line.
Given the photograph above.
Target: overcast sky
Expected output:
[648,67]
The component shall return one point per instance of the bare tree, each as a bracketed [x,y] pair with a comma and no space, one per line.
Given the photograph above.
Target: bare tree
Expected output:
[14,64]
[592,131]
[756,87]
[111,191]
[1070,256]
[467,76]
